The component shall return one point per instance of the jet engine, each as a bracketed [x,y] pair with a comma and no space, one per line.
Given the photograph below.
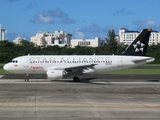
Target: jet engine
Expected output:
[56,74]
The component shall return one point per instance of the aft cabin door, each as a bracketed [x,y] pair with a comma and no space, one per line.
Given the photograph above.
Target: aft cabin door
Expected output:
[120,62]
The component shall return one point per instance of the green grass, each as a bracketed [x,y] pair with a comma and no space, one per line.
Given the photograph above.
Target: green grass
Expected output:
[151,65]
[3,72]
[135,71]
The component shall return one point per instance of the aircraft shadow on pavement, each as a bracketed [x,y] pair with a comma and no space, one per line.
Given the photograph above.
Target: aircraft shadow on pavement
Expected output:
[153,80]
[83,80]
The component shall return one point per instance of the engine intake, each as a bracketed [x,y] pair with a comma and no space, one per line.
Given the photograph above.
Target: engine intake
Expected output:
[55,74]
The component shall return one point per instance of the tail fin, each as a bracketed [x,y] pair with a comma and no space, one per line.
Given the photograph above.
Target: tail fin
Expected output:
[139,45]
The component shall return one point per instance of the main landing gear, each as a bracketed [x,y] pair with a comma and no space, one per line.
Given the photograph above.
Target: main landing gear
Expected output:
[27,78]
[76,79]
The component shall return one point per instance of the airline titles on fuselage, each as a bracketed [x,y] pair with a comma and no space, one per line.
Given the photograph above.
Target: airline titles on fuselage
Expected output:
[36,67]
[46,60]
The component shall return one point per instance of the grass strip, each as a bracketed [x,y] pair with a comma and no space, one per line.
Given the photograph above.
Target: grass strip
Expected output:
[135,71]
[3,72]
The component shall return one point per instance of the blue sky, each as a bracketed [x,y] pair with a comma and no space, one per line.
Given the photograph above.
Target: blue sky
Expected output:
[82,18]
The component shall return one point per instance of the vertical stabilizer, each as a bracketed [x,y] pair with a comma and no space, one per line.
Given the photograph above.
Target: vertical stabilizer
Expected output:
[139,45]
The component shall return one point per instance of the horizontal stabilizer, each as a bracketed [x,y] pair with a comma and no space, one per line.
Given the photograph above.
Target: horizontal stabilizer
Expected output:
[146,60]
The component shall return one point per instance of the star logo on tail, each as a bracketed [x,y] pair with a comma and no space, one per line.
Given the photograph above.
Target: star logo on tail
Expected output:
[139,47]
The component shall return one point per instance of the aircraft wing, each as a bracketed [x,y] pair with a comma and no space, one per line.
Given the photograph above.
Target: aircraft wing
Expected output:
[79,69]
[74,69]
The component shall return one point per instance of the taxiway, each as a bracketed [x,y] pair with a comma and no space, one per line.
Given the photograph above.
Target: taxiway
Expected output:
[100,99]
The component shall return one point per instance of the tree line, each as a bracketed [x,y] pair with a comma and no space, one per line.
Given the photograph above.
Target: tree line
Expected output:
[9,50]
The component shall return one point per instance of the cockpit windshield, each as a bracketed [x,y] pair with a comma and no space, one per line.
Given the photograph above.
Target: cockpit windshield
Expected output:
[14,61]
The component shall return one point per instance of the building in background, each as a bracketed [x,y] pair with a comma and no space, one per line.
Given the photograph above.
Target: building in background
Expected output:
[2,33]
[87,42]
[154,38]
[126,37]
[59,38]
[18,40]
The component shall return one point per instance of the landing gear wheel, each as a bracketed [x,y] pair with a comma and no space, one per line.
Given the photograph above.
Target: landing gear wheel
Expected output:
[76,79]
[26,79]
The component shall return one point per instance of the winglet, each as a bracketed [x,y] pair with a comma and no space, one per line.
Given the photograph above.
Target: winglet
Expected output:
[139,45]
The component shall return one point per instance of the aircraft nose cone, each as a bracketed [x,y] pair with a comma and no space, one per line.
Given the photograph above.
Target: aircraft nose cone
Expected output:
[5,67]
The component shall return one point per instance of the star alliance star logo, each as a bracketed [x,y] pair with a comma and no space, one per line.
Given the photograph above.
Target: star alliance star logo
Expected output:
[139,47]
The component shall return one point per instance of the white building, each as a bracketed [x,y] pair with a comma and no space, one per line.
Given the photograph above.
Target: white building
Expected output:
[87,42]
[126,37]
[154,38]
[59,38]
[2,33]
[18,40]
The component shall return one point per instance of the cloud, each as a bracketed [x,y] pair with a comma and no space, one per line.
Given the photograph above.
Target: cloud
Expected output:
[148,23]
[123,12]
[93,31]
[31,6]
[144,23]
[52,16]
[78,34]
[13,0]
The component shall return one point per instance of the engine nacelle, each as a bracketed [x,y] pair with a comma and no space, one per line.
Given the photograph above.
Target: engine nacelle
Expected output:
[55,74]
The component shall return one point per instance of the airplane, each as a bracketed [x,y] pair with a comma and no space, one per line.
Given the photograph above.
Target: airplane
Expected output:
[58,66]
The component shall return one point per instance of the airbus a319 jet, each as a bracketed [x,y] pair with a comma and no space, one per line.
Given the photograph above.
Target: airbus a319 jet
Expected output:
[58,66]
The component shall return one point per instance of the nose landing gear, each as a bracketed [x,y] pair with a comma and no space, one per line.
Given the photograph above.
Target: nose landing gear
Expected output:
[27,78]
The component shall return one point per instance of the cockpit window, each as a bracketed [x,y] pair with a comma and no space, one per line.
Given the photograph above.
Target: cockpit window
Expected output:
[14,61]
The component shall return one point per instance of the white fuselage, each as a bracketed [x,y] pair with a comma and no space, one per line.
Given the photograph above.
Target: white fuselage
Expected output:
[39,64]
